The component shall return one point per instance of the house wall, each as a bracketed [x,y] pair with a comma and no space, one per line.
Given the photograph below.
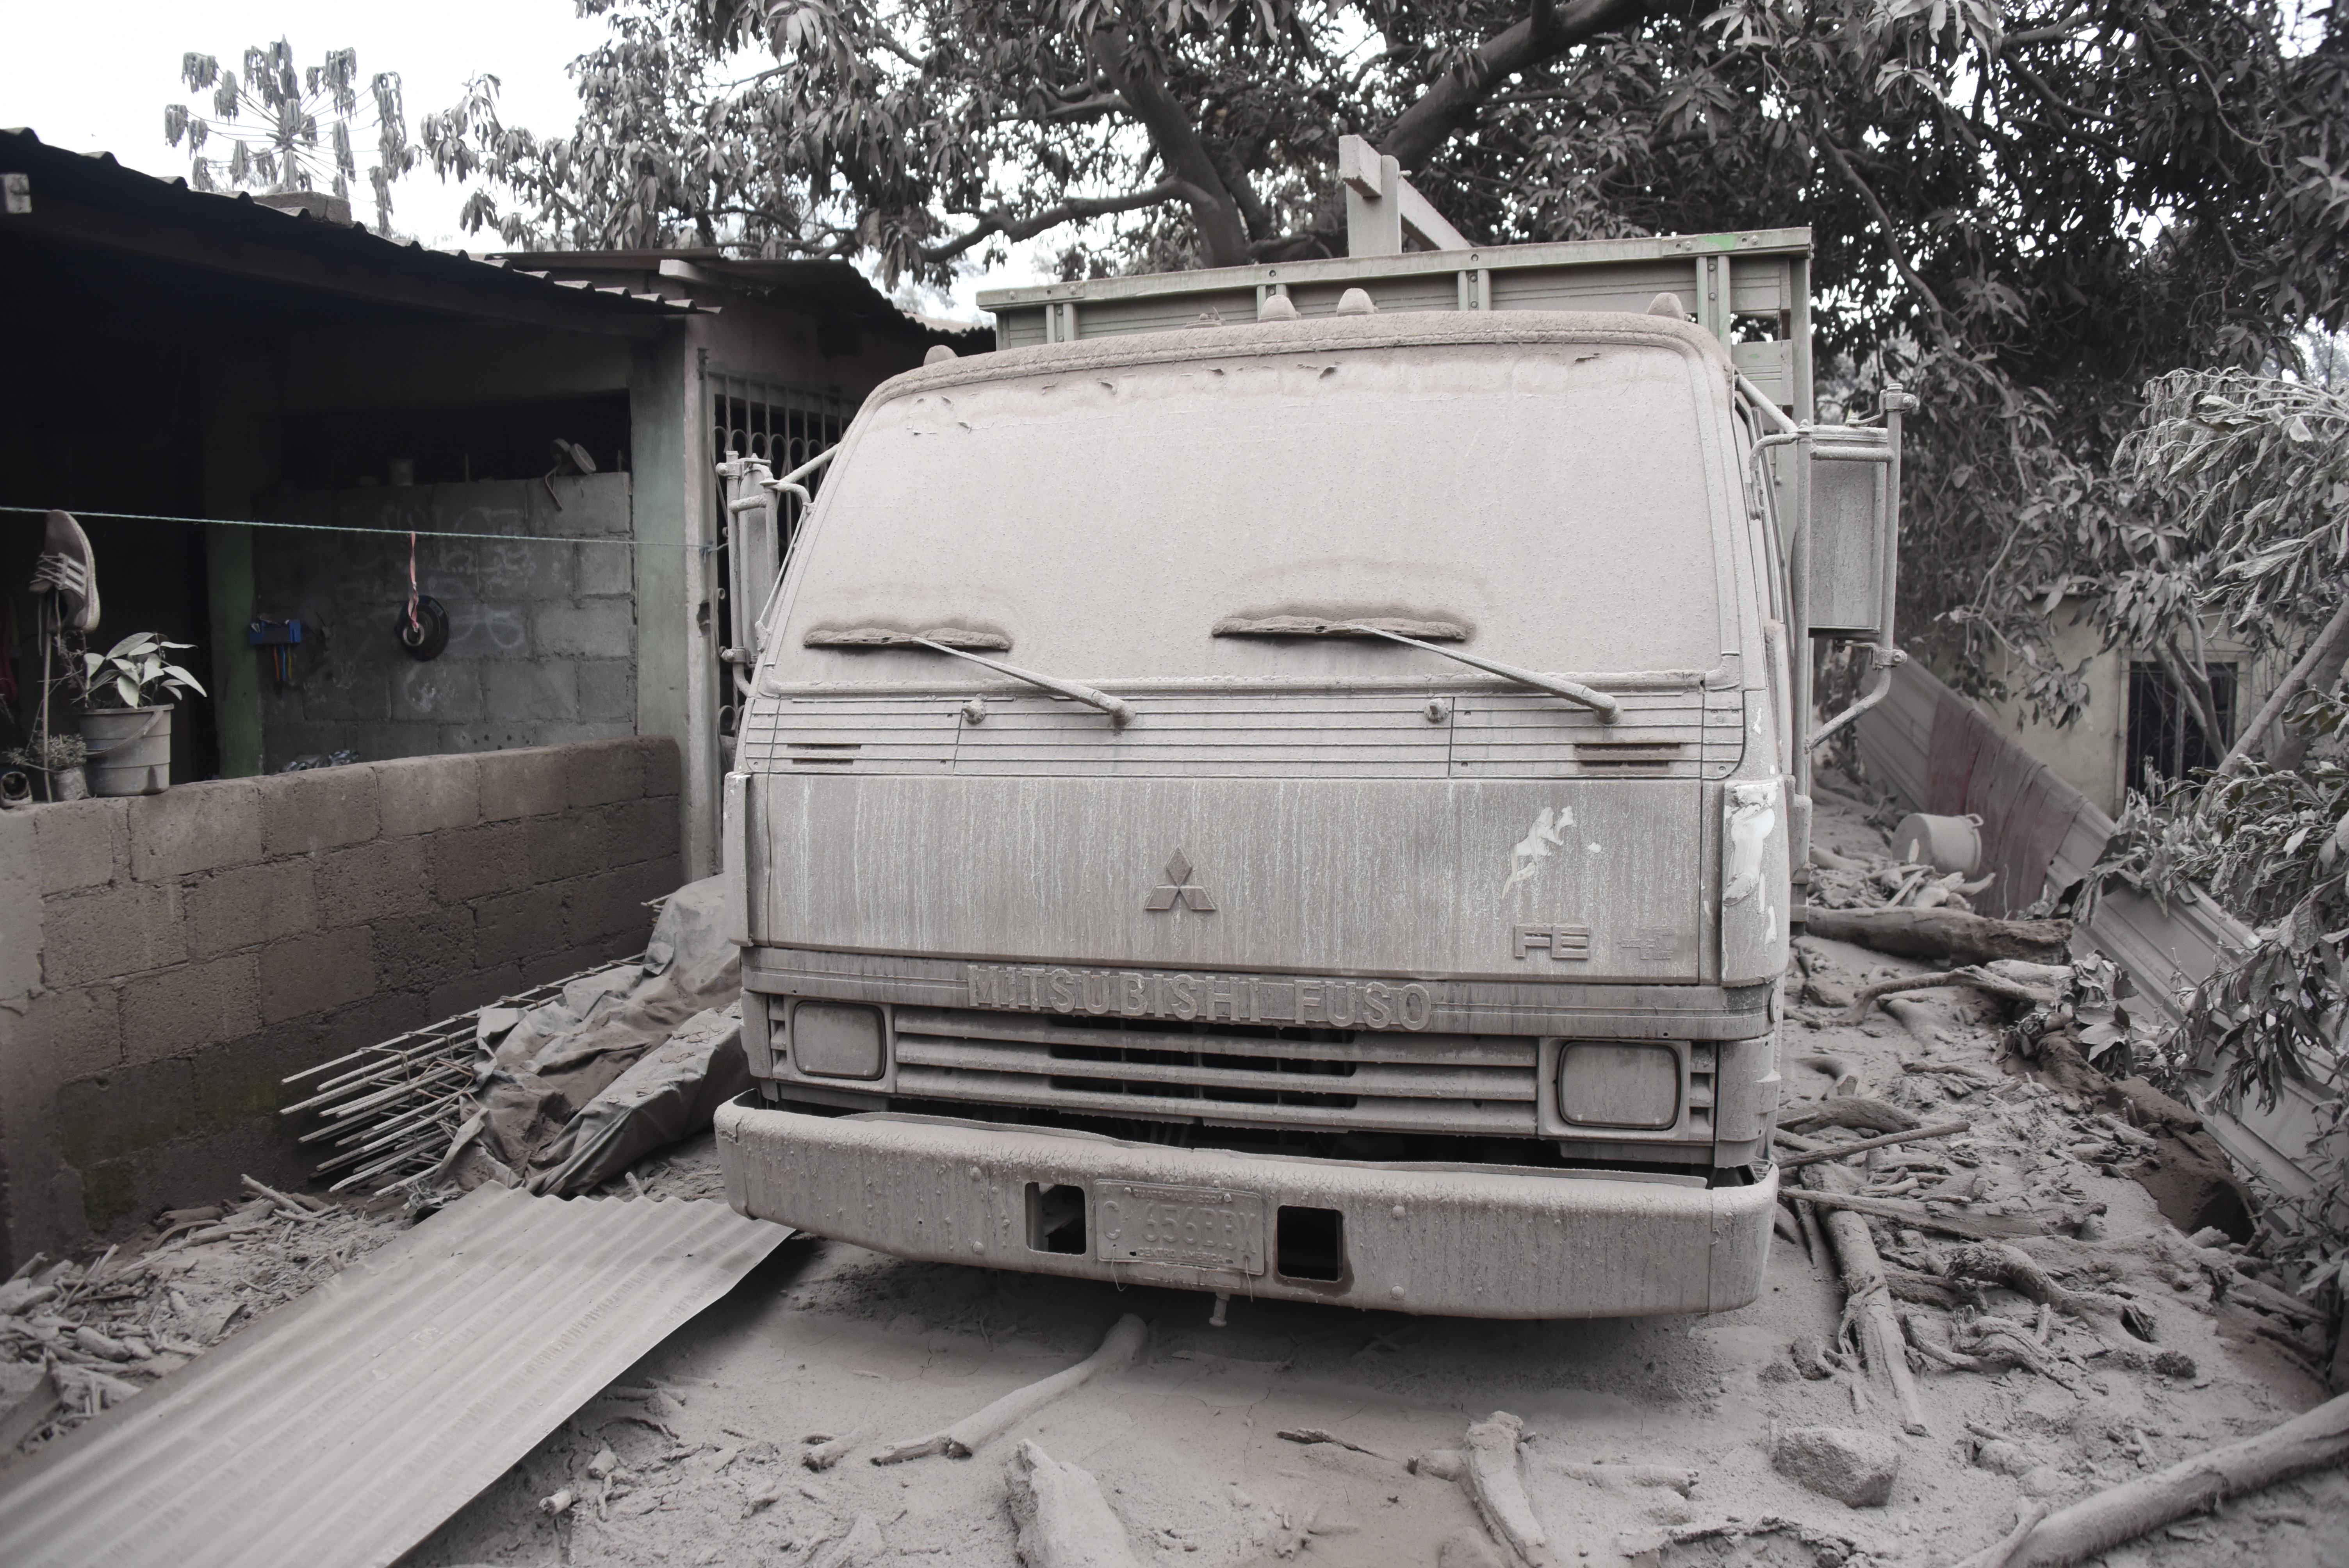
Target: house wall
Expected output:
[2091,753]
[166,960]
[542,631]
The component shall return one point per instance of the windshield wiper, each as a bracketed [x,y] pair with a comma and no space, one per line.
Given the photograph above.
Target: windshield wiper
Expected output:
[1599,702]
[1121,712]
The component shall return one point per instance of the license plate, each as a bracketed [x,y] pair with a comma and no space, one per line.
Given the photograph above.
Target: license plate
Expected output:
[1193,1227]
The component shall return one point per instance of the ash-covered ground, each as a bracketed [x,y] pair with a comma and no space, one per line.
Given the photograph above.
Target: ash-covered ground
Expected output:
[1647,1441]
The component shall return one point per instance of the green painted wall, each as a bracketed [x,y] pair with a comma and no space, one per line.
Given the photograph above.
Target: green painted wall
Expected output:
[240,454]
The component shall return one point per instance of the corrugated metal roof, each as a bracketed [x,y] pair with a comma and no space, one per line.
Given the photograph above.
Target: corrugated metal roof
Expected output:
[346,1428]
[90,199]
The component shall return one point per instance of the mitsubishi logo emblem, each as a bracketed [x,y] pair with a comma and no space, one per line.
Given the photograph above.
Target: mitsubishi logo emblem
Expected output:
[1179,885]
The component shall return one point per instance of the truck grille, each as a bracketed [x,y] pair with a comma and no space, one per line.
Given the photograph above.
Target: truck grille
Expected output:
[1344,1080]
[1687,733]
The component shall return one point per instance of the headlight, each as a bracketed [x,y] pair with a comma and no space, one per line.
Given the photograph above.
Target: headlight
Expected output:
[836,1040]
[1632,1087]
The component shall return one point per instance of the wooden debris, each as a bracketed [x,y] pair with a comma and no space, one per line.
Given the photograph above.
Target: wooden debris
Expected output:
[1064,1521]
[1499,1490]
[1859,1112]
[1981,979]
[1312,1435]
[1974,1227]
[829,1451]
[1869,1298]
[1837,1151]
[963,1439]
[1950,935]
[2011,1267]
[1999,1553]
[2096,1524]
[29,1413]
[1665,1478]
[301,1208]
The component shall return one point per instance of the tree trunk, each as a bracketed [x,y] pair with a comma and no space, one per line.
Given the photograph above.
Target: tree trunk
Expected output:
[1223,231]
[2320,667]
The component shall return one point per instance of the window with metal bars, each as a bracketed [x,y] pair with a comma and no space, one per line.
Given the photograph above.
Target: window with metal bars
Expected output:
[2165,738]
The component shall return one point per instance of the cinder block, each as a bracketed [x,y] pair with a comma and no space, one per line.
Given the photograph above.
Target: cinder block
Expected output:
[369,1021]
[463,994]
[479,632]
[243,1082]
[643,829]
[480,862]
[525,568]
[663,765]
[369,883]
[82,843]
[575,844]
[446,691]
[602,905]
[73,1034]
[190,1006]
[607,691]
[195,828]
[599,772]
[590,628]
[307,974]
[347,691]
[415,954]
[245,906]
[428,794]
[524,783]
[604,569]
[530,692]
[302,813]
[109,932]
[121,1112]
[516,928]
[653,879]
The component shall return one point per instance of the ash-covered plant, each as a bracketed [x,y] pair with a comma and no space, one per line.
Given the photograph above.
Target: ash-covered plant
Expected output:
[49,753]
[134,674]
[2249,477]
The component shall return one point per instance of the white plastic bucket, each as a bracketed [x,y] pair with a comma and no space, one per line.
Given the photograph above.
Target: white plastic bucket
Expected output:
[129,750]
[1945,843]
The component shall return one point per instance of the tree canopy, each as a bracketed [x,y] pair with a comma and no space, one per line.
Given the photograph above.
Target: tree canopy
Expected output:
[2027,209]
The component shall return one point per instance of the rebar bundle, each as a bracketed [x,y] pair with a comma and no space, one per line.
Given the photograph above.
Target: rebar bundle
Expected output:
[390,1109]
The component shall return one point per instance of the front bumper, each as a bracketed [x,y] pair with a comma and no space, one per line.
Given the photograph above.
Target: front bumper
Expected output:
[1463,1241]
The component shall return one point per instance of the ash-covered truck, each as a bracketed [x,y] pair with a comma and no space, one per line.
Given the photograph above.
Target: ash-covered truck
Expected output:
[1291,781]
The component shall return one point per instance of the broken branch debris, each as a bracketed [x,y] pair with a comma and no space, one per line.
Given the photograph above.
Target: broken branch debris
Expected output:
[1870,1301]
[1837,1151]
[1117,1351]
[1948,934]
[2099,1524]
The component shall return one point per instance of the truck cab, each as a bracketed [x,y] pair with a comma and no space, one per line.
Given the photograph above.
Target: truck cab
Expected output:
[1297,792]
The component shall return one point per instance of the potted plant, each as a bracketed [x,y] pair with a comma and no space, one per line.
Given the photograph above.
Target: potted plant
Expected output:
[55,764]
[127,729]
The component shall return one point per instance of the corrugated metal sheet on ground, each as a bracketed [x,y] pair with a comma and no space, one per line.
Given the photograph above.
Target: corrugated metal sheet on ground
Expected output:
[345,1427]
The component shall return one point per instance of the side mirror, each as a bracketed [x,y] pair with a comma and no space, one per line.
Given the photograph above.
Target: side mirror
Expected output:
[1853,541]
[1847,533]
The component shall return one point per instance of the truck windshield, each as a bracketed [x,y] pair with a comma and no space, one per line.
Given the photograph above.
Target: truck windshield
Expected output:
[1551,501]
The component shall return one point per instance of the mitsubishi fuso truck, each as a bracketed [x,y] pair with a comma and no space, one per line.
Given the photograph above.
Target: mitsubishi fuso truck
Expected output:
[1289,781]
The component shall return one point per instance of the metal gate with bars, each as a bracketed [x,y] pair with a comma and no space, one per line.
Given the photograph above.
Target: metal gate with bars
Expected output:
[758,429]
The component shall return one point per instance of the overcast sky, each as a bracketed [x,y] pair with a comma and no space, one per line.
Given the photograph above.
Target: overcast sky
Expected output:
[95,78]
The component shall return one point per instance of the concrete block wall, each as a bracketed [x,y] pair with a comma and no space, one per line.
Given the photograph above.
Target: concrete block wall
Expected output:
[165,961]
[542,620]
